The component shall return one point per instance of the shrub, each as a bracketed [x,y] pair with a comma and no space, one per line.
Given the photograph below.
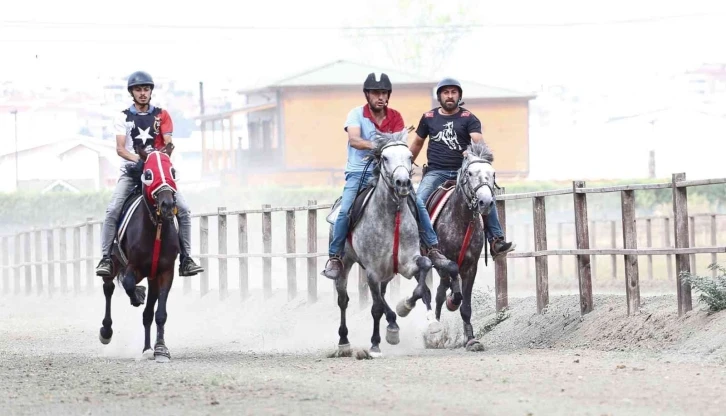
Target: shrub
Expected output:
[712,289]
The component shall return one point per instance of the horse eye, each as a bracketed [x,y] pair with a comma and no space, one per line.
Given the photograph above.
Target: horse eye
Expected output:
[470,173]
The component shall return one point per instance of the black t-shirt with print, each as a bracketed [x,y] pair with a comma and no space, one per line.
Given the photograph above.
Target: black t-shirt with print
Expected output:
[449,136]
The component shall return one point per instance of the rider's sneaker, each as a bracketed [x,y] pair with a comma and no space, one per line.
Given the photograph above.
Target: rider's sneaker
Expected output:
[187,267]
[104,267]
[333,268]
[499,247]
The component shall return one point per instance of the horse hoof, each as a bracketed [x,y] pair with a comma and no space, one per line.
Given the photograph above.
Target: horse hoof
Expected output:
[474,346]
[375,352]
[403,308]
[161,358]
[105,340]
[140,295]
[161,353]
[434,328]
[148,354]
[392,336]
[450,304]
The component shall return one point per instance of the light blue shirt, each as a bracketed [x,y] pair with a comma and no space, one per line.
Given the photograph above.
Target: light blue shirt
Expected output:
[367,132]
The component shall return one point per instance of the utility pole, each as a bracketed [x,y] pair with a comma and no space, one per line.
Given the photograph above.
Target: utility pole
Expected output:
[15,114]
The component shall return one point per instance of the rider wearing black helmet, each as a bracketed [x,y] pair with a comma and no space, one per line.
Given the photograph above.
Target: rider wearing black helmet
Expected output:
[451,129]
[149,126]
[361,124]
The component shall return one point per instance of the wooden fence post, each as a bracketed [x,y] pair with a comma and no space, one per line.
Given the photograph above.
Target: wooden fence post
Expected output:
[291,261]
[613,258]
[203,250]
[667,243]
[16,263]
[28,269]
[630,241]
[267,249]
[649,244]
[540,243]
[77,260]
[222,251]
[38,259]
[583,243]
[51,265]
[714,231]
[63,257]
[680,227]
[244,262]
[90,274]
[312,249]
[500,264]
[5,253]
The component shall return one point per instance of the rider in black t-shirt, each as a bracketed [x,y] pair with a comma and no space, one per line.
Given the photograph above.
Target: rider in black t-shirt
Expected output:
[451,129]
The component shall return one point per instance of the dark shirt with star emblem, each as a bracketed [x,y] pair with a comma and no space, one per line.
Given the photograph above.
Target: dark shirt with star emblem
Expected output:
[146,129]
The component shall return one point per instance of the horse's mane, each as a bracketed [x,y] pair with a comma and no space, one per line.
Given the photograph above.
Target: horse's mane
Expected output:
[134,171]
[480,150]
[380,140]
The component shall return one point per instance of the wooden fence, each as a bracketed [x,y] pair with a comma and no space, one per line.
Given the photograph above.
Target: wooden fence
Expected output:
[306,241]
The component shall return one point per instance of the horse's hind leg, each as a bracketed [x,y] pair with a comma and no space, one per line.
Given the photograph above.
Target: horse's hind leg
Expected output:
[377,313]
[468,285]
[106,332]
[392,331]
[147,319]
[137,294]
[164,281]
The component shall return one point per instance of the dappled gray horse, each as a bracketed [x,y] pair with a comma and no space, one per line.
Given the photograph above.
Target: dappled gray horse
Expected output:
[456,213]
[384,238]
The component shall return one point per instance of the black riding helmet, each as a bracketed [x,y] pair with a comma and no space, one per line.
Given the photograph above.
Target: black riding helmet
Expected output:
[140,78]
[450,82]
[383,83]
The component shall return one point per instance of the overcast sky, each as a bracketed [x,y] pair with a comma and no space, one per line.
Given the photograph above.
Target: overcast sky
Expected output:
[76,40]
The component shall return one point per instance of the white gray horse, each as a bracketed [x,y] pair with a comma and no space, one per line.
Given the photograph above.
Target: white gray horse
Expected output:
[388,216]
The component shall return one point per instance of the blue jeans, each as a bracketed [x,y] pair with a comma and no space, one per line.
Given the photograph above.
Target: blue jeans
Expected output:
[434,178]
[340,229]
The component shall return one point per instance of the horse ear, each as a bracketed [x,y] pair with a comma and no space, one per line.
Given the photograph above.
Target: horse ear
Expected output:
[174,174]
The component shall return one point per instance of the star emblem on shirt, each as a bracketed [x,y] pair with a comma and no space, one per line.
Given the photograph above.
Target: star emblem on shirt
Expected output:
[144,134]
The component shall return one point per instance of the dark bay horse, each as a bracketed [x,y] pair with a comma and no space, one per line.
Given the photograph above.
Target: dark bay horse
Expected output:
[384,239]
[147,232]
[459,226]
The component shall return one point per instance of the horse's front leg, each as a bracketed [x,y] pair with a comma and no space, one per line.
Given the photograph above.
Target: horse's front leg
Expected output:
[164,280]
[341,286]
[472,344]
[421,291]
[444,284]
[392,331]
[137,294]
[148,318]
[377,309]
[106,332]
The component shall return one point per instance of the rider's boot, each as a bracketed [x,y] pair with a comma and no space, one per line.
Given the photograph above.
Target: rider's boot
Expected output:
[333,268]
[499,247]
[435,255]
[104,267]
[187,267]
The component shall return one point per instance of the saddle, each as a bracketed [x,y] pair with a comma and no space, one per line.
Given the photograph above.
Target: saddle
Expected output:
[438,199]
[359,205]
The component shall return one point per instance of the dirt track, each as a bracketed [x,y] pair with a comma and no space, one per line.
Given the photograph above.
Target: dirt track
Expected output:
[557,363]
